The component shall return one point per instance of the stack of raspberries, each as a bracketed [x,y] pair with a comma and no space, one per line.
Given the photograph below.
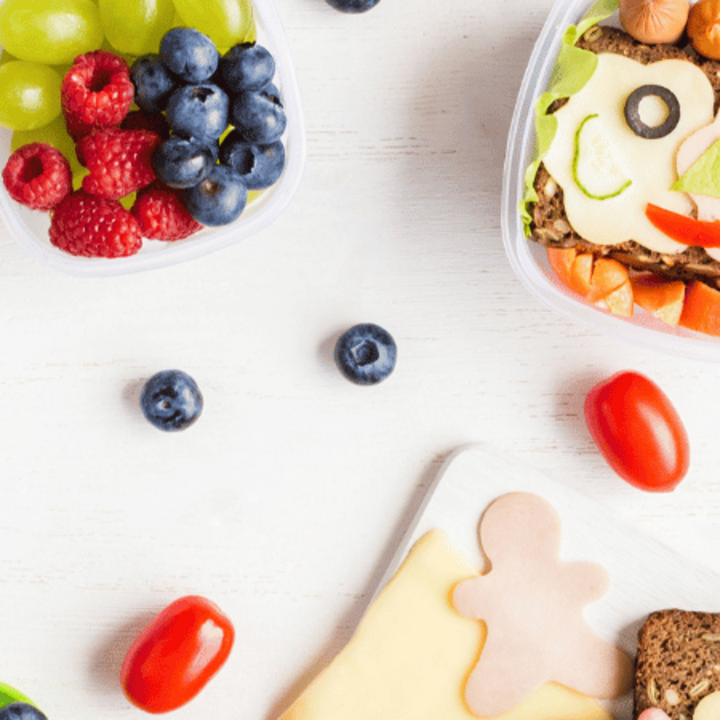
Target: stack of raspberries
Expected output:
[116,146]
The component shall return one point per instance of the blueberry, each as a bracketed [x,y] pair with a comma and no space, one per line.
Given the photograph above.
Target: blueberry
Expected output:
[366,354]
[153,83]
[183,162]
[353,6]
[273,93]
[199,111]
[171,400]
[258,116]
[21,711]
[246,66]
[219,199]
[259,165]
[189,54]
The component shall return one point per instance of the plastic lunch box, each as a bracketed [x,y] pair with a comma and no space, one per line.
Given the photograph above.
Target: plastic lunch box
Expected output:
[527,258]
[30,228]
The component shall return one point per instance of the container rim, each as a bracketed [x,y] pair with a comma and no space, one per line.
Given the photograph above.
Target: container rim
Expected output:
[653,335]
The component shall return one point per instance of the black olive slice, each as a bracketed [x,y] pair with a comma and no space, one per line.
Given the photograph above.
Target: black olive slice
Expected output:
[632,112]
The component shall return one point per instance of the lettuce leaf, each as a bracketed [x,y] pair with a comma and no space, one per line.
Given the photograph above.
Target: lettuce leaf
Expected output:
[572,71]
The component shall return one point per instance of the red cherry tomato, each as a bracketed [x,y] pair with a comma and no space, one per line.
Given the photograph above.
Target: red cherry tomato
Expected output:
[638,431]
[175,656]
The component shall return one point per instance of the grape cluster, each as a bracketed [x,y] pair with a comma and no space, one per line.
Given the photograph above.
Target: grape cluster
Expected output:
[222,114]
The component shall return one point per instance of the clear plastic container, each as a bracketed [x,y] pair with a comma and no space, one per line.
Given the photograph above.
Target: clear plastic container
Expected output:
[529,259]
[30,228]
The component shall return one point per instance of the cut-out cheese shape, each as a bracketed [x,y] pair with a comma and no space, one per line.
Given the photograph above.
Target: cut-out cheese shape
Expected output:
[648,163]
[412,653]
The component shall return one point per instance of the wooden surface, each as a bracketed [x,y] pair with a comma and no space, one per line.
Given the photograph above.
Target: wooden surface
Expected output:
[285,502]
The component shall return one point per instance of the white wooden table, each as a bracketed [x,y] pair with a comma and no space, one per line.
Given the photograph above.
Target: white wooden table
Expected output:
[284,503]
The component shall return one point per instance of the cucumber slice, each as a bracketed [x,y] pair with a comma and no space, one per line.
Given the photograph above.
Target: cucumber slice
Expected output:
[595,170]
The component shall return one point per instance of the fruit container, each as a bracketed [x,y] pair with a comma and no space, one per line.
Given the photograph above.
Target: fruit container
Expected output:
[30,228]
[527,258]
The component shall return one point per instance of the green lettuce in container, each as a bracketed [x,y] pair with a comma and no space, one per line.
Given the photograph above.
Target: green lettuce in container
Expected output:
[573,69]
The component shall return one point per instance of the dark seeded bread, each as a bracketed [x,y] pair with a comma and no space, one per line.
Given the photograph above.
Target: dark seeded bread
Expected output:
[677,661]
[550,226]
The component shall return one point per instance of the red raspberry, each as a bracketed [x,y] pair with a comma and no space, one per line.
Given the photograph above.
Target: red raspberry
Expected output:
[120,161]
[90,226]
[141,120]
[37,175]
[96,92]
[161,213]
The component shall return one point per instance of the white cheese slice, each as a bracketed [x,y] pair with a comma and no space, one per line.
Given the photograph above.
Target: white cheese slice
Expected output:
[648,164]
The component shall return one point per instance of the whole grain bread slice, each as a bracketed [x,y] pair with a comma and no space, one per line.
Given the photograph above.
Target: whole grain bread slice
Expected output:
[677,661]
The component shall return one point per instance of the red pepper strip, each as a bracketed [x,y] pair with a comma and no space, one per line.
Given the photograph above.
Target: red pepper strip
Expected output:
[684,229]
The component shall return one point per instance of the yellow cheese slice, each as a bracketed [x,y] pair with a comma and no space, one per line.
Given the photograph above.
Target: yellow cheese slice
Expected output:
[649,164]
[411,655]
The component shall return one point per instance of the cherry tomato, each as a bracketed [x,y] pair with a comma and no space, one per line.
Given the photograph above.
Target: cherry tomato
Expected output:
[175,656]
[638,431]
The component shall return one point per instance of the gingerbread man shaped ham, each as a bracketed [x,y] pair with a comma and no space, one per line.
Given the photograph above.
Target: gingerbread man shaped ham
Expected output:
[532,604]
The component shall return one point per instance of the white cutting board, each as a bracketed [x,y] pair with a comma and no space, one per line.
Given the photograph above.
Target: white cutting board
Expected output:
[644,574]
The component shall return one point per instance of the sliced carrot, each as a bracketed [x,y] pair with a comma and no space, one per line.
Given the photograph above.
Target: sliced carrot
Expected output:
[608,275]
[561,261]
[572,268]
[661,297]
[618,301]
[604,282]
[701,310]
[582,273]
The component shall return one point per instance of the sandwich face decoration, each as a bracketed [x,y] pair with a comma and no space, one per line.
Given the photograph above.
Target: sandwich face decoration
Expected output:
[616,145]
[626,164]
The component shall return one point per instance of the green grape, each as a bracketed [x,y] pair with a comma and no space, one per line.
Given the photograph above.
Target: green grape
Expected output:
[129,59]
[6,57]
[49,31]
[226,22]
[53,134]
[136,27]
[77,177]
[29,95]
[128,201]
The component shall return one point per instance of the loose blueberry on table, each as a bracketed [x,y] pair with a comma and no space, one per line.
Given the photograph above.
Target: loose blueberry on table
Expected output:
[171,400]
[353,6]
[366,354]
